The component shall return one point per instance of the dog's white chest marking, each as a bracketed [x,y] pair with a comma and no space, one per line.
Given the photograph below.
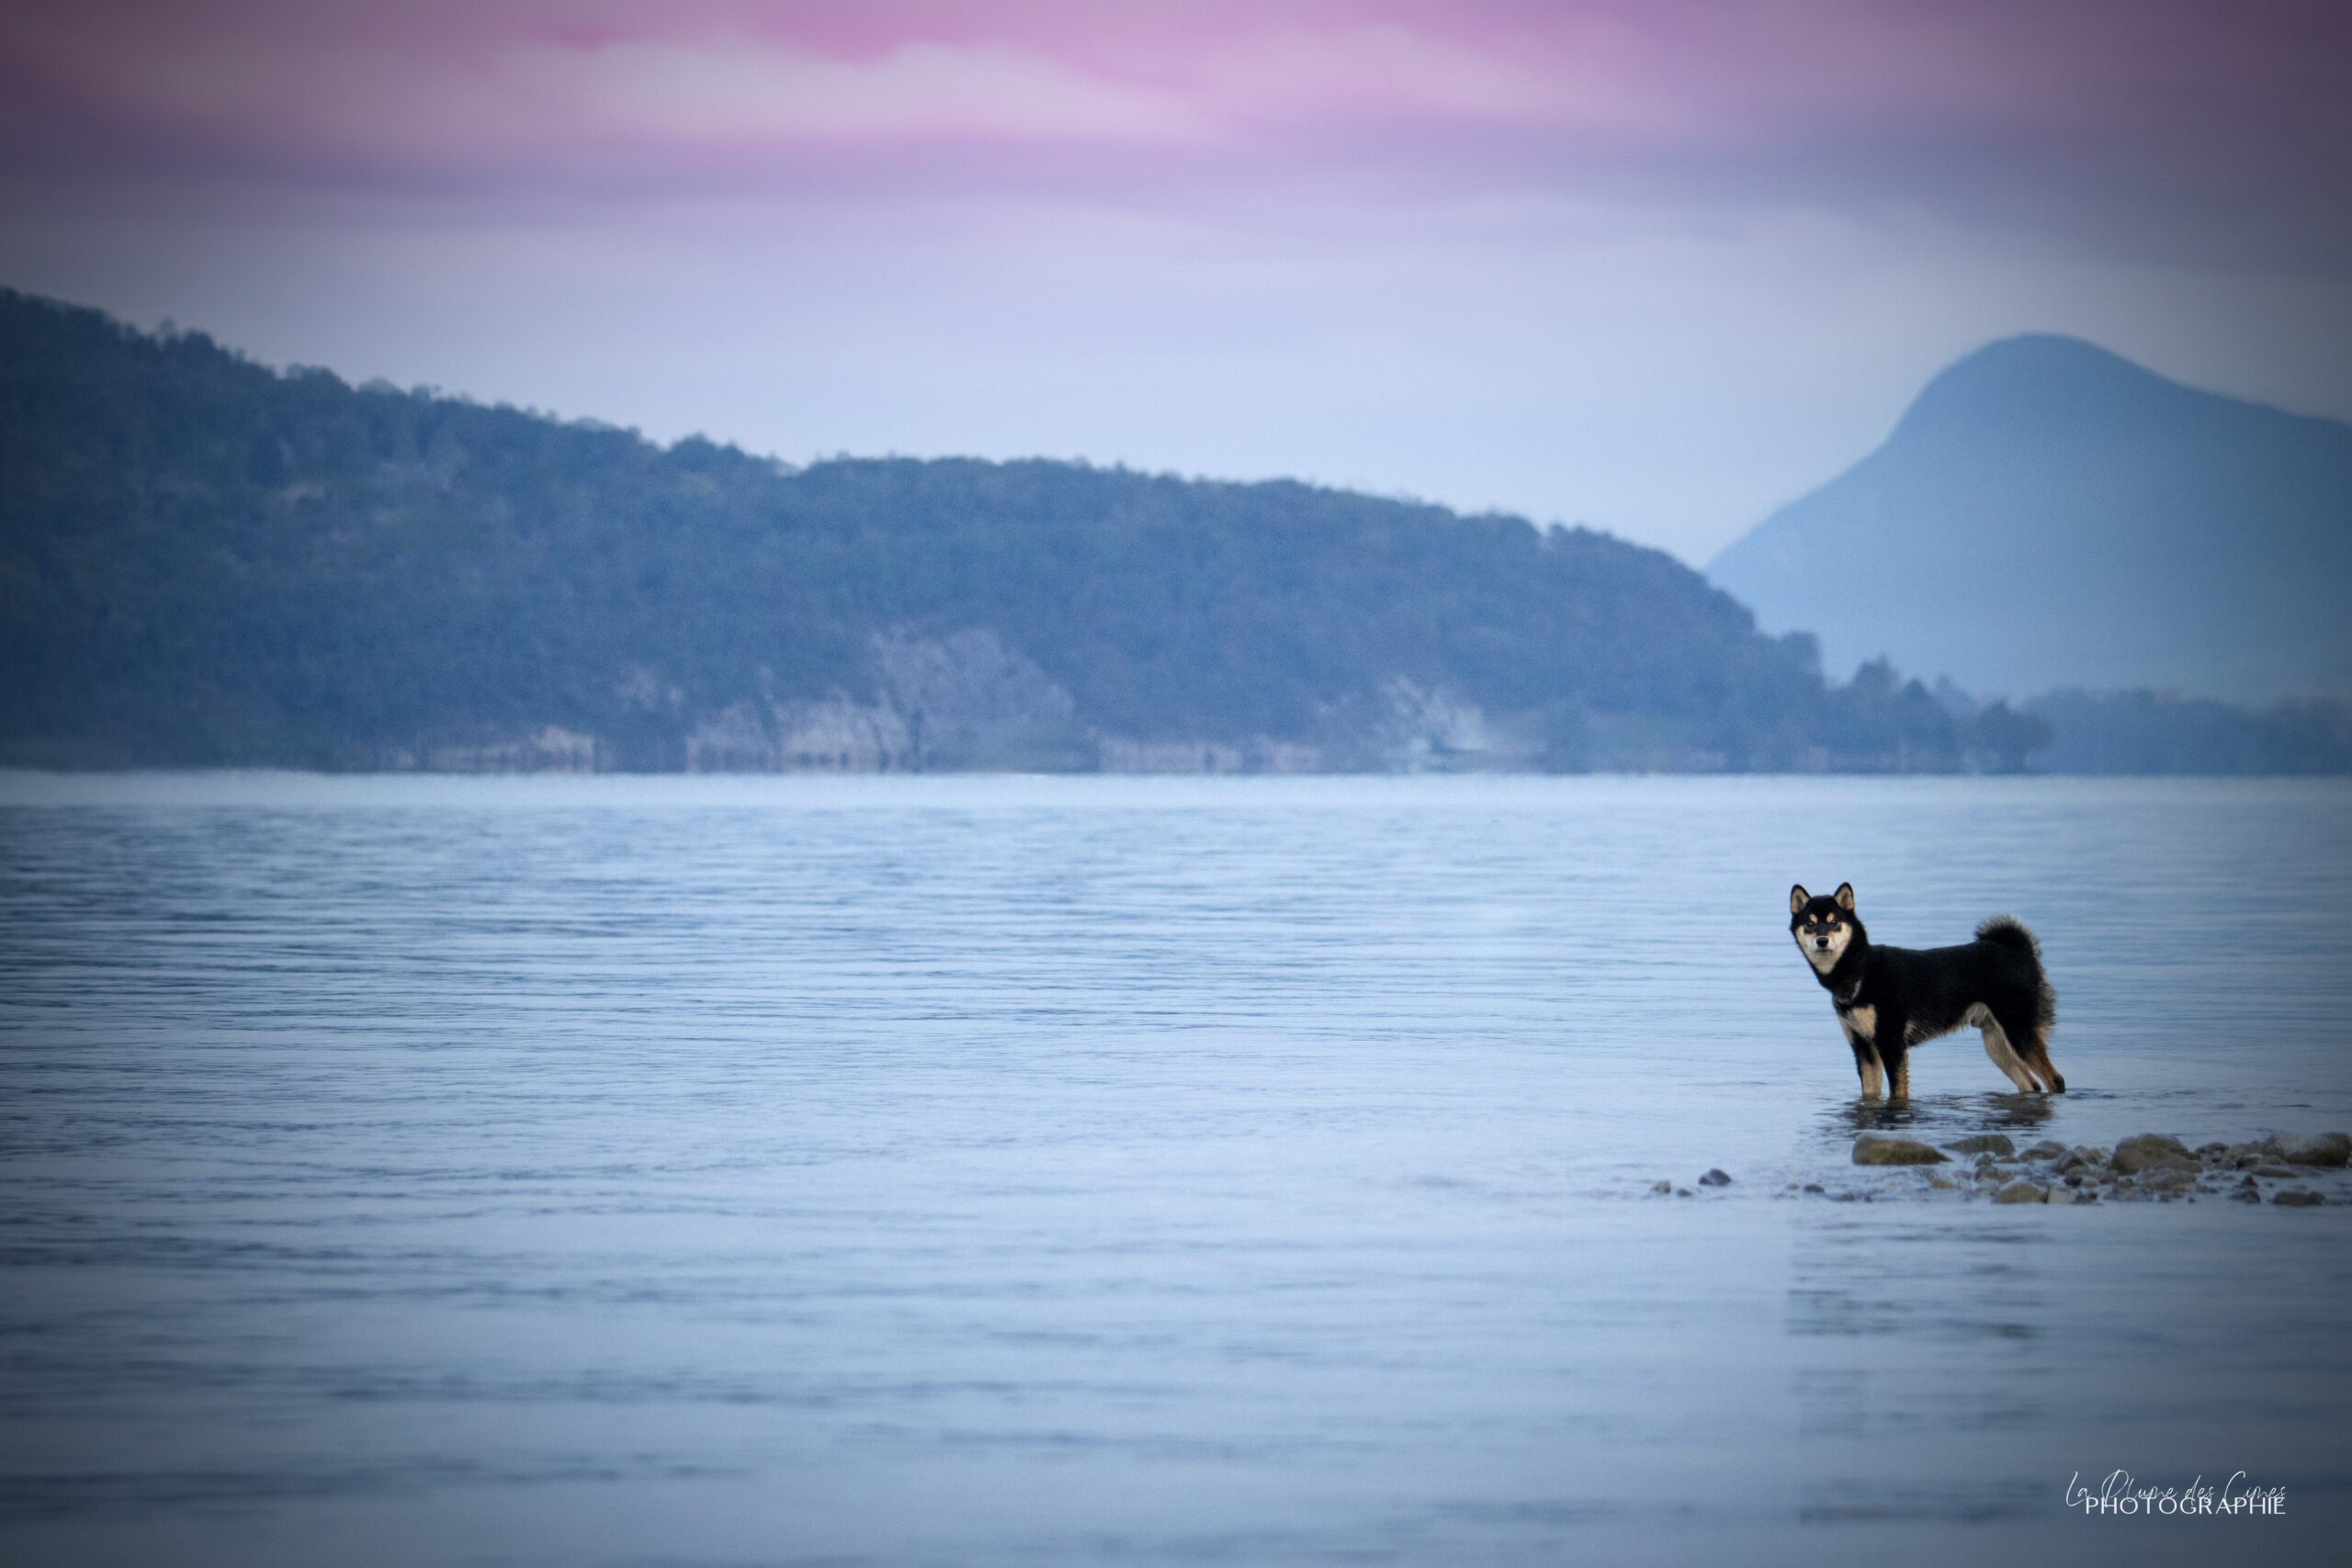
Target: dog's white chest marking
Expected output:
[1861,1024]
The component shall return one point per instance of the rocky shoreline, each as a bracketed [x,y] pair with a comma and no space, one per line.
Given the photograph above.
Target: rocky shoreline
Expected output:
[2150,1167]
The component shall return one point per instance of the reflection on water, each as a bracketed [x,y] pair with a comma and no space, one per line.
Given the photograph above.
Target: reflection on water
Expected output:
[1038,1171]
[1929,1117]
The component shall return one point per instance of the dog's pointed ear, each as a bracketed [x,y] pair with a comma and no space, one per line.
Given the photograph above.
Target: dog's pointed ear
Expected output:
[1798,898]
[1845,895]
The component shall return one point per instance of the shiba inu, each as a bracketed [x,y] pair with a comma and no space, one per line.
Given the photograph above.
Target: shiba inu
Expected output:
[1891,998]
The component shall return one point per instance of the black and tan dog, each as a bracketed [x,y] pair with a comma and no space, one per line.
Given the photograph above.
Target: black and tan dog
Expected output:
[1891,998]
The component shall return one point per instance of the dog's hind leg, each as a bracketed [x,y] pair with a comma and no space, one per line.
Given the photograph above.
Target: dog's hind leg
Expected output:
[1997,1047]
[2034,1046]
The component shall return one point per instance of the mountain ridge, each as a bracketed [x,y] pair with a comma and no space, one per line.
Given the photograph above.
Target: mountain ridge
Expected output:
[205,561]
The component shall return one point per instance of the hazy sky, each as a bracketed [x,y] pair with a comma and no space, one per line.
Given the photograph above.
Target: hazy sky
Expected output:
[1653,266]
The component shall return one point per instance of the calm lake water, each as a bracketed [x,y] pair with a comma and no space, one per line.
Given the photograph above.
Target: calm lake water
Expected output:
[1046,1171]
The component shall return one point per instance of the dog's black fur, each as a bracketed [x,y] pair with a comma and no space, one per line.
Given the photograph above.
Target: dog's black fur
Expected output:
[1891,998]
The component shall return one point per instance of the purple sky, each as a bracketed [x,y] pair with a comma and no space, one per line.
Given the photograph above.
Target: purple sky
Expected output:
[1655,266]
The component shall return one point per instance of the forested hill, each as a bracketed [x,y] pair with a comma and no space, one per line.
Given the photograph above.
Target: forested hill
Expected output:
[204,561]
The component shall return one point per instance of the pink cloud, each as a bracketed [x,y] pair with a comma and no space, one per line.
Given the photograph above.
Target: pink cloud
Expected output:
[2176,106]
[718,90]
[503,78]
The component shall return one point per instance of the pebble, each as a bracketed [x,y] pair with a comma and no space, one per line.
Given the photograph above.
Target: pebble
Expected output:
[1714,1178]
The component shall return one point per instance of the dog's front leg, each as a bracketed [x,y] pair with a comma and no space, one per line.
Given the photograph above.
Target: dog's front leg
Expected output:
[1866,1064]
[1898,1073]
[1891,1039]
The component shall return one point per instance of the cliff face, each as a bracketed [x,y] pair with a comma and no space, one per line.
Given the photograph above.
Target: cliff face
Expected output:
[2046,514]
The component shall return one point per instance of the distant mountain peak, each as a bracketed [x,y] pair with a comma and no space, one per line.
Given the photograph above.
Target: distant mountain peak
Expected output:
[2048,514]
[2041,355]
[2040,382]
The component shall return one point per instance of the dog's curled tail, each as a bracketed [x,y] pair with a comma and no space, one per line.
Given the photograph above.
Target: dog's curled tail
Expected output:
[2010,932]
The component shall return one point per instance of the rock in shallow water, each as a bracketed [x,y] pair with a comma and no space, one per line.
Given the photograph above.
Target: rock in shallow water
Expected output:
[1872,1148]
[2022,1192]
[1982,1144]
[2313,1148]
[2298,1200]
[1714,1178]
[2152,1151]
